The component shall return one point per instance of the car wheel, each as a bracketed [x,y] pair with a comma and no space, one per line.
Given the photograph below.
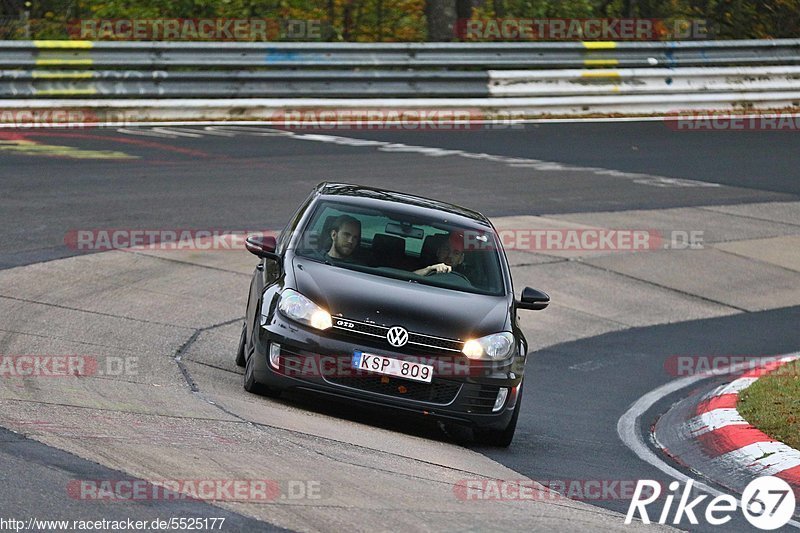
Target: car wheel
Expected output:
[240,361]
[500,438]
[251,384]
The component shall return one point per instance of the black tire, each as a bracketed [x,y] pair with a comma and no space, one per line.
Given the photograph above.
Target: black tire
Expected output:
[252,385]
[500,438]
[240,360]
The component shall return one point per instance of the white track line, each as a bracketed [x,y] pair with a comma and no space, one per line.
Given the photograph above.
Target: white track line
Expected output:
[145,133]
[179,133]
[587,120]
[628,426]
[432,151]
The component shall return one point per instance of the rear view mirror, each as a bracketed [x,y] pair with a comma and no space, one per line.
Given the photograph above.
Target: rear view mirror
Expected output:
[533,299]
[404,230]
[262,246]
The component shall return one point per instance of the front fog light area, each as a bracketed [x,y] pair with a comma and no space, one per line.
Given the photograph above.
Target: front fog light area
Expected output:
[275,355]
[502,394]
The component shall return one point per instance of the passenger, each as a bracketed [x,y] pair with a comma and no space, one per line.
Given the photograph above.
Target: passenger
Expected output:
[345,236]
[450,254]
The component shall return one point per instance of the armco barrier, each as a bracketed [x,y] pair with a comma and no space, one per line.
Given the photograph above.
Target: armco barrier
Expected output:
[689,80]
[240,84]
[535,55]
[186,80]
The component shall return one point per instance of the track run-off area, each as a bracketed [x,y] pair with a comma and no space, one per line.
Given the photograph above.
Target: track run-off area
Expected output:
[719,276]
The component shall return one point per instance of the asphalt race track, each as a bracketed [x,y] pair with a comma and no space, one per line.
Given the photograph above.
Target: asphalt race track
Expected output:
[616,319]
[185,179]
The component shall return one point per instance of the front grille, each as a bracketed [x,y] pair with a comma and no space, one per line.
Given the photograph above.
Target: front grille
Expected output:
[481,400]
[435,342]
[438,391]
[356,328]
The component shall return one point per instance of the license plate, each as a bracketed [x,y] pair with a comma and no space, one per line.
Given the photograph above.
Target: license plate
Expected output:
[392,367]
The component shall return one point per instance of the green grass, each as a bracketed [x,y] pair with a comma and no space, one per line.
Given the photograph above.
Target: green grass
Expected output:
[772,404]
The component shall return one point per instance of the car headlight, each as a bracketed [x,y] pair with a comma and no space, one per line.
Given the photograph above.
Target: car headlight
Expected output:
[299,308]
[491,347]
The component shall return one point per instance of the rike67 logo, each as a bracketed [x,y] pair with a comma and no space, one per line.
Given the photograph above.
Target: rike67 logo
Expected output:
[767,503]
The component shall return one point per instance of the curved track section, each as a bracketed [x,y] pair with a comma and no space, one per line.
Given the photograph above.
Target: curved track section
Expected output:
[617,318]
[712,437]
[192,421]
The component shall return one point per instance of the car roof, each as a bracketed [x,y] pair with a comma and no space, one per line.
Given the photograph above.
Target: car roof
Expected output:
[343,190]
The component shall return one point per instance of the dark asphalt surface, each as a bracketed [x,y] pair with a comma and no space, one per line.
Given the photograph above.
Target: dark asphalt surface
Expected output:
[35,479]
[248,181]
[755,160]
[577,391]
[568,424]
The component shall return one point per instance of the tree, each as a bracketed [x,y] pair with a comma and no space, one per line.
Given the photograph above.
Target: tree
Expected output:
[441,17]
[443,14]
[464,7]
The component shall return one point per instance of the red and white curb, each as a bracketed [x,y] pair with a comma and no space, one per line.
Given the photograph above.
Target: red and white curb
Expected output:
[733,442]
[707,434]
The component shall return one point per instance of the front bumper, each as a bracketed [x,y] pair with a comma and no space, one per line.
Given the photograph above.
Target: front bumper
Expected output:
[462,391]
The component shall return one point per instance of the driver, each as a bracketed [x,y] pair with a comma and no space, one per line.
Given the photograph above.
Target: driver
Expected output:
[345,236]
[450,255]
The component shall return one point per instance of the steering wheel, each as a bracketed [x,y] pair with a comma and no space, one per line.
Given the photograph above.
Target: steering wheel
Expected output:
[465,278]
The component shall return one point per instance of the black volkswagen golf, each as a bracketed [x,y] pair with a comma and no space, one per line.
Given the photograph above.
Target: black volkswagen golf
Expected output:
[390,299]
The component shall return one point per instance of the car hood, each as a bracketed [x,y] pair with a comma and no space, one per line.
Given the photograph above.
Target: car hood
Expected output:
[389,302]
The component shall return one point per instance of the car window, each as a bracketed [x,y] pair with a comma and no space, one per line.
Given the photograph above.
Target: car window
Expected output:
[393,246]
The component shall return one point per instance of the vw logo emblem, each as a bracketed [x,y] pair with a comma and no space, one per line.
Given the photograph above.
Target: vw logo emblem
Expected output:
[397,336]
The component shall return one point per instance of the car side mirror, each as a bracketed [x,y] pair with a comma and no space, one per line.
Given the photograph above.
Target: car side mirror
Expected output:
[533,299]
[262,246]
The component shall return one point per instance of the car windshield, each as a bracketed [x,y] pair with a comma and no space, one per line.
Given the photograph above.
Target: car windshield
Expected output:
[398,245]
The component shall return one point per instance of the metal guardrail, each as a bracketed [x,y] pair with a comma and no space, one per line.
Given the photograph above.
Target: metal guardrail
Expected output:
[237,84]
[654,81]
[389,84]
[568,77]
[531,55]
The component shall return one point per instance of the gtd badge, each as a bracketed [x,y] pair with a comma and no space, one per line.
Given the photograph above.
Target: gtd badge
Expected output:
[345,324]
[397,336]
